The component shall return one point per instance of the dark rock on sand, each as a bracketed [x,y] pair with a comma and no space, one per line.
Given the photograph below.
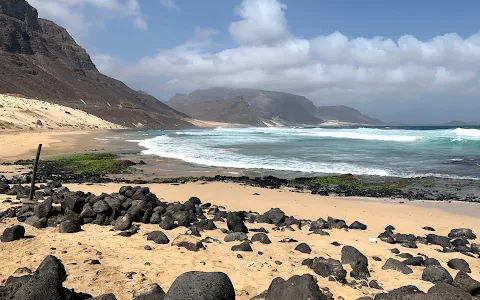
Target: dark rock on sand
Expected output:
[158,237]
[430,262]
[357,261]
[13,233]
[375,285]
[443,291]
[288,240]
[387,237]
[235,222]
[461,241]
[357,225]
[336,223]
[402,293]
[329,267]
[155,292]
[462,232]
[318,225]
[376,258]
[43,209]
[296,287]
[275,216]
[466,283]
[459,264]
[414,261]
[201,285]
[167,223]
[261,237]
[439,240]
[320,232]
[245,246]
[428,228]
[393,264]
[45,283]
[69,226]
[188,242]
[236,236]
[34,221]
[395,251]
[304,248]
[123,223]
[436,274]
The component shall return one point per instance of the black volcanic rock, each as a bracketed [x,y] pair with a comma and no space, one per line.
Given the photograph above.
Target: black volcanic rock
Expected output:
[201,285]
[40,60]
[296,287]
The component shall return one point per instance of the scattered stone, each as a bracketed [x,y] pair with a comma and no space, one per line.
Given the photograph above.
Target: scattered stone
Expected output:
[147,247]
[443,291]
[328,267]
[123,223]
[414,261]
[395,251]
[376,258]
[201,285]
[274,216]
[304,248]
[158,237]
[236,236]
[36,222]
[430,262]
[277,262]
[239,256]
[439,240]
[262,238]
[43,209]
[459,264]
[69,226]
[393,264]
[288,240]
[375,285]
[357,225]
[428,228]
[436,274]
[188,242]
[336,244]
[245,246]
[462,232]
[235,222]
[154,292]
[92,261]
[13,233]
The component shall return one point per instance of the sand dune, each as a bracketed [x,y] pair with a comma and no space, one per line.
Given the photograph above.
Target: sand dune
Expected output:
[17,113]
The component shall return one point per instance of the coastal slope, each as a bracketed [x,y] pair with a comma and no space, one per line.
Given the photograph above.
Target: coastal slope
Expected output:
[40,60]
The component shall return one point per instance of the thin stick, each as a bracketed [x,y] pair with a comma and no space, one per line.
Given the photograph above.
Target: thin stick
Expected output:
[34,175]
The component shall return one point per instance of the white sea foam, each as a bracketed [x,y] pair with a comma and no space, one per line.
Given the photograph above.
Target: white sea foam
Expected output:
[467,132]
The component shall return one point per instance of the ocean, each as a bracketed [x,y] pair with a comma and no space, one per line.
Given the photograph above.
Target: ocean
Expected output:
[446,152]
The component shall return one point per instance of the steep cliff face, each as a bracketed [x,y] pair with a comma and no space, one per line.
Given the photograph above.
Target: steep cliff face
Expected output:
[40,59]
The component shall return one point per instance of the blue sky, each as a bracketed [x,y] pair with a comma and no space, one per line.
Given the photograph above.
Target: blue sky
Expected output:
[424,68]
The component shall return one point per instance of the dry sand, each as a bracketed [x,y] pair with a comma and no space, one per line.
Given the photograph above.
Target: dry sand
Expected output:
[253,273]
[17,113]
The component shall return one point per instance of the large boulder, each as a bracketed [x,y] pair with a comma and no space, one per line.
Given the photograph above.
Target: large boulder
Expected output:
[201,285]
[235,222]
[403,293]
[244,246]
[436,274]
[357,226]
[13,233]
[101,206]
[45,283]
[443,291]
[296,287]
[167,223]
[439,240]
[275,216]
[303,248]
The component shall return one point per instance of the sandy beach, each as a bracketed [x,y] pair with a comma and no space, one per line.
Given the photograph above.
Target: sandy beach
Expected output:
[253,273]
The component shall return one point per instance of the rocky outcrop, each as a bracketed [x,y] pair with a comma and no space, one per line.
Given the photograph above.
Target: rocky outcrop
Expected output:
[40,60]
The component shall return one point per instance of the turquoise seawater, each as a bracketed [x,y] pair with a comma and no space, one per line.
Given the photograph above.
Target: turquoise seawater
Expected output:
[384,151]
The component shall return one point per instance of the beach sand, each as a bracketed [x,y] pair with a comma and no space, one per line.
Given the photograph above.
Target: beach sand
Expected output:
[253,273]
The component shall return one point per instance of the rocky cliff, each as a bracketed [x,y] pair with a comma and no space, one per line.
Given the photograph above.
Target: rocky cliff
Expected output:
[39,59]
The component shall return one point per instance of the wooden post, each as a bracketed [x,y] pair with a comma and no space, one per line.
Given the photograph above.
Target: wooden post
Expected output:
[34,175]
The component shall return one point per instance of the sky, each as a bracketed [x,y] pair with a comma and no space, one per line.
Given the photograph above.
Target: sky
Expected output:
[400,61]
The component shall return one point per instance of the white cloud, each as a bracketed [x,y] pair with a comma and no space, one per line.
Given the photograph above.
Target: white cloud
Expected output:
[171,4]
[331,68]
[73,14]
[262,22]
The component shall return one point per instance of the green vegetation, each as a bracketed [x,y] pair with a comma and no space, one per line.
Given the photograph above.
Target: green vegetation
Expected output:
[347,181]
[181,179]
[92,164]
[389,187]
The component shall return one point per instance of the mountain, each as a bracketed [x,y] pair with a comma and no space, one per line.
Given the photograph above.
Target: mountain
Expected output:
[39,59]
[246,106]
[345,114]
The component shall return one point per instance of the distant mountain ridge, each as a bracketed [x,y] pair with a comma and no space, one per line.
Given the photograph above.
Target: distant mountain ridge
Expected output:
[260,107]
[39,59]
